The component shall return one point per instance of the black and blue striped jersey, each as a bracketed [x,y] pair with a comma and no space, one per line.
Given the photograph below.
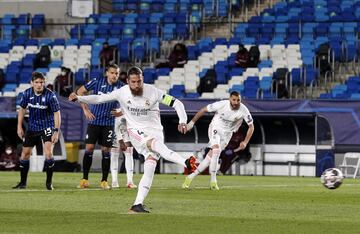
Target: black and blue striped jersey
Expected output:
[102,111]
[41,108]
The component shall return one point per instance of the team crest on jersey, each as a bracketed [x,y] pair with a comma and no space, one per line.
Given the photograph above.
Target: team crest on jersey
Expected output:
[147,103]
[249,118]
[128,102]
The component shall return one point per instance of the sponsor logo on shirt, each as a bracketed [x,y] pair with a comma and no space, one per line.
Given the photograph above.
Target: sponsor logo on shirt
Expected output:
[138,111]
[38,106]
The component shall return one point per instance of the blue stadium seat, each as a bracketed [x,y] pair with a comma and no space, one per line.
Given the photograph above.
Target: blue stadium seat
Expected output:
[9,87]
[149,75]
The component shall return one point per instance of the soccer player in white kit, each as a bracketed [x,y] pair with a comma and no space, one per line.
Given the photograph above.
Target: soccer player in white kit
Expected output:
[123,144]
[229,115]
[140,104]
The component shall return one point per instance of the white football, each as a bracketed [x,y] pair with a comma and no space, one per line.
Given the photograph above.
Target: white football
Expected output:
[332,178]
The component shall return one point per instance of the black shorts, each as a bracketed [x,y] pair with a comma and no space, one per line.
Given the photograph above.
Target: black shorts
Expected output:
[103,135]
[32,138]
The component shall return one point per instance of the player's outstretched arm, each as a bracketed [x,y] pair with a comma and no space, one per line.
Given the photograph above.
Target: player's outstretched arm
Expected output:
[197,116]
[95,99]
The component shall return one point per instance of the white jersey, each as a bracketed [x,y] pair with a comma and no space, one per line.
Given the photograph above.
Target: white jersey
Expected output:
[140,111]
[227,119]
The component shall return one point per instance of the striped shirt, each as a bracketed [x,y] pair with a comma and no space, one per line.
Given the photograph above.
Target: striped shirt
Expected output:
[41,108]
[102,111]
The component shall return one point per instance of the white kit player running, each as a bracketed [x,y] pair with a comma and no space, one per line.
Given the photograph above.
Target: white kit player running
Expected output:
[140,104]
[123,144]
[229,115]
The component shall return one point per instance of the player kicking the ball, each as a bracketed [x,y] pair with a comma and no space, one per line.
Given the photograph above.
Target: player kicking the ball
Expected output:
[140,103]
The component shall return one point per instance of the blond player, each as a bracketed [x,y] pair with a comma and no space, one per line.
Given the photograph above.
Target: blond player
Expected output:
[122,144]
[229,115]
[140,104]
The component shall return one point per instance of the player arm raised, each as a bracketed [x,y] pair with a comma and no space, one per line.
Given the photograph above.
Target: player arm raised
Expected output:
[179,108]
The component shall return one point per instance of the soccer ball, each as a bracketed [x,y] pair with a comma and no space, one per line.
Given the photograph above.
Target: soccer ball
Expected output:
[332,178]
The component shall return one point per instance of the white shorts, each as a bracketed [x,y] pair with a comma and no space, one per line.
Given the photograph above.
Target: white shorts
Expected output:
[124,137]
[139,138]
[218,137]
[120,135]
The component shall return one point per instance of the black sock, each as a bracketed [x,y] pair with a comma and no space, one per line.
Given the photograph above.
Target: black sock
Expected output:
[49,168]
[105,165]
[24,169]
[87,161]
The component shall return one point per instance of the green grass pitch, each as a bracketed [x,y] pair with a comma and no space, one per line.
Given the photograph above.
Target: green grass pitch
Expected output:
[243,205]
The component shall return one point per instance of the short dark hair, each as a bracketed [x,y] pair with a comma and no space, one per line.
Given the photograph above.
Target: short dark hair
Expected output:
[134,71]
[123,74]
[235,93]
[37,75]
[112,65]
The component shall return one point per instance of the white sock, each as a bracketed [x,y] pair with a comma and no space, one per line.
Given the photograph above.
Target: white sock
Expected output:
[129,164]
[114,164]
[146,181]
[202,166]
[214,164]
[160,148]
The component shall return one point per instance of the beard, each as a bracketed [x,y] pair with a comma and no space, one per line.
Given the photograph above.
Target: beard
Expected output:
[235,107]
[136,92]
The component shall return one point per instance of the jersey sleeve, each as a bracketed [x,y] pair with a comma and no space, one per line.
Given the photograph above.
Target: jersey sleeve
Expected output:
[24,100]
[103,98]
[215,106]
[161,95]
[54,103]
[248,118]
[91,84]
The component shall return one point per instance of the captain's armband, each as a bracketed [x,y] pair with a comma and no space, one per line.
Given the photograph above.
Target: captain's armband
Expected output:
[168,100]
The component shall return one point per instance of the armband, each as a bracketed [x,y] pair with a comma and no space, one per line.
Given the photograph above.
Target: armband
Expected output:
[168,100]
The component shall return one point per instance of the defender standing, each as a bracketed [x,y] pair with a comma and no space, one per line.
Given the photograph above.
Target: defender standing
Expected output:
[101,123]
[44,124]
